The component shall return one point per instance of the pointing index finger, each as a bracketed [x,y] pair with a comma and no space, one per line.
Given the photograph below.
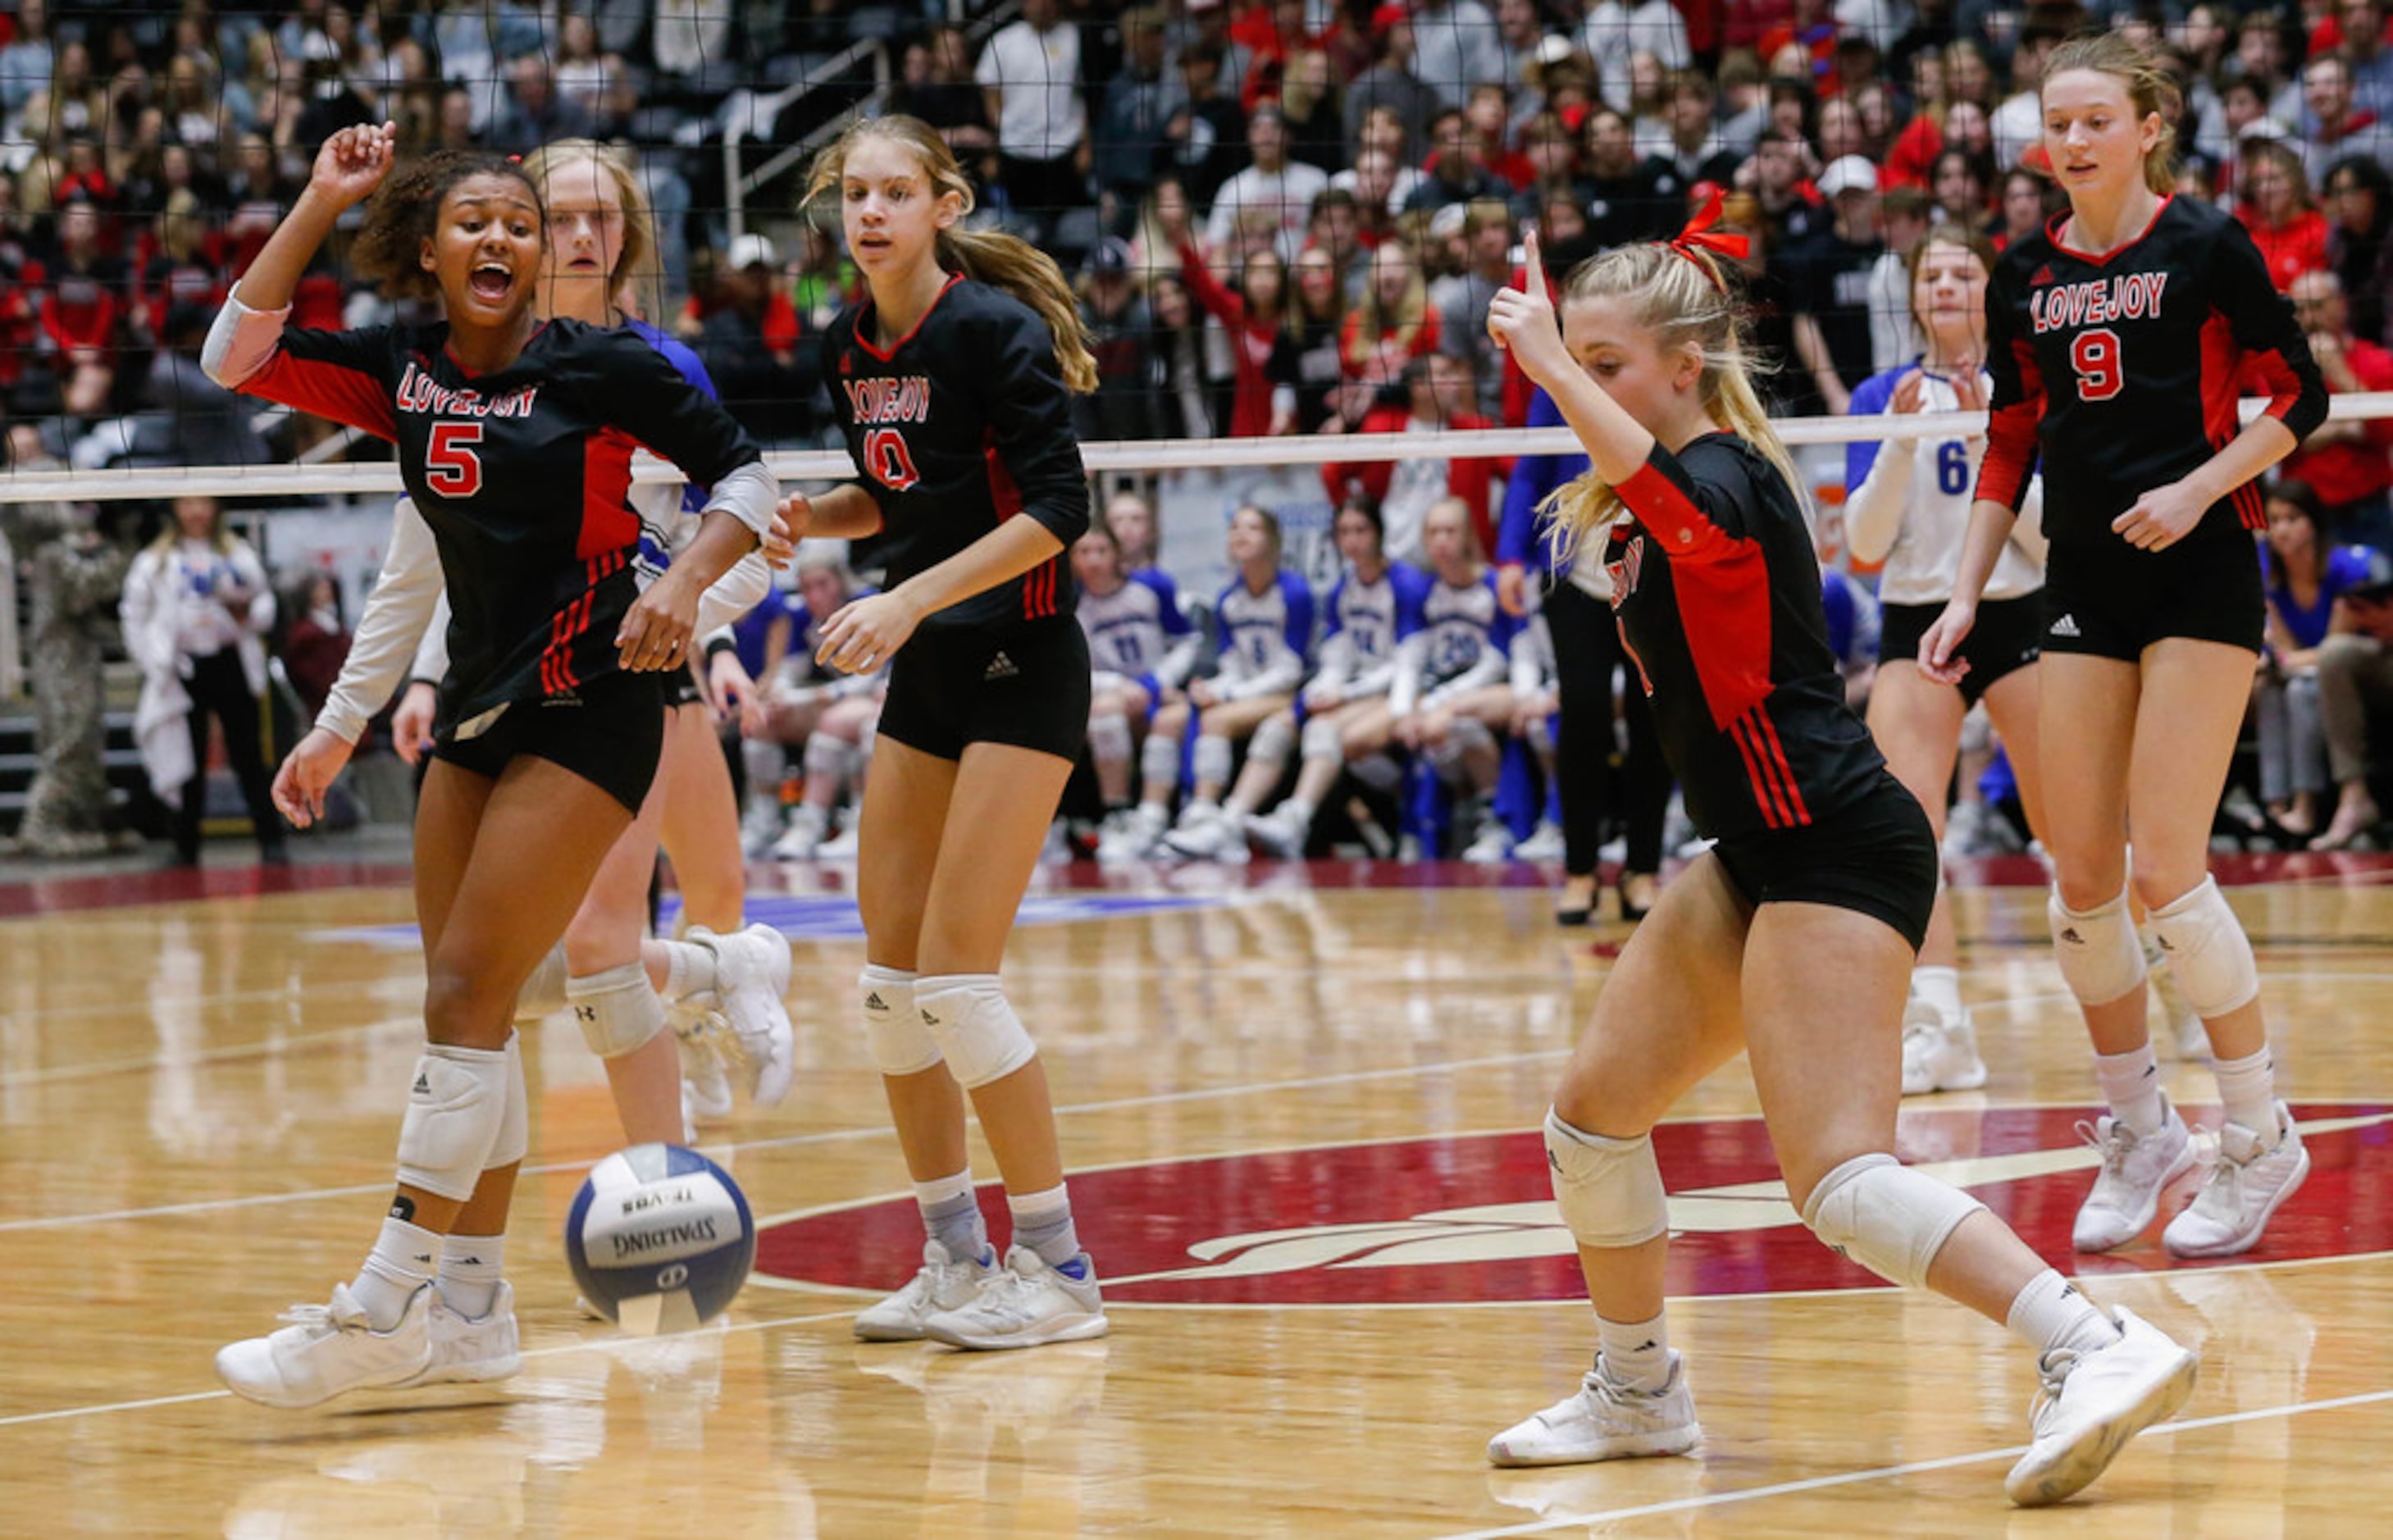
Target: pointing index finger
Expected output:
[1533,277]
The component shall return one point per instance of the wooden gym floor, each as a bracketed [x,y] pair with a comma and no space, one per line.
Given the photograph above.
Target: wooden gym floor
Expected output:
[1299,1107]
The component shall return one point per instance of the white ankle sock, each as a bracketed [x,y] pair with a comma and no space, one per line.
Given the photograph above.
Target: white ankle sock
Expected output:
[1940,987]
[471,1267]
[2050,1314]
[1636,1353]
[2131,1083]
[689,970]
[399,1263]
[2247,1087]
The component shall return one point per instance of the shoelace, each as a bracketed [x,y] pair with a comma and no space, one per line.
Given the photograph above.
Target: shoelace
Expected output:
[2052,1369]
[2115,1147]
[320,1318]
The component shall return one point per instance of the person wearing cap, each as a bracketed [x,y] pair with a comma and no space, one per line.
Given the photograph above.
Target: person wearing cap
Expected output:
[749,343]
[1393,83]
[1273,184]
[1117,324]
[1832,274]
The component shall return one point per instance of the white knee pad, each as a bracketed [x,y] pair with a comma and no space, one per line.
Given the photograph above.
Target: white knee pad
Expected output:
[1886,1217]
[2207,952]
[544,993]
[1610,1190]
[1272,742]
[618,1011]
[2100,959]
[515,1122]
[454,1113]
[1110,738]
[1212,760]
[977,1029]
[894,1032]
[764,761]
[1322,739]
[1158,762]
[1540,736]
[826,758]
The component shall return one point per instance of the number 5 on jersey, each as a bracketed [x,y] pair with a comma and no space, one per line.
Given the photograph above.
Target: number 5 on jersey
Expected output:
[887,460]
[451,467]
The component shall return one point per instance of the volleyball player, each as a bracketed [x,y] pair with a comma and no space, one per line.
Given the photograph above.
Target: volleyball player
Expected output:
[834,715]
[602,243]
[1451,694]
[1908,507]
[515,439]
[2117,337]
[951,381]
[1141,648]
[1792,939]
[1263,619]
[1374,607]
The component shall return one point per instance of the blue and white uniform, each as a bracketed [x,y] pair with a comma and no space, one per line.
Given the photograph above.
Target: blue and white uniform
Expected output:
[1266,638]
[1368,623]
[1463,644]
[1137,634]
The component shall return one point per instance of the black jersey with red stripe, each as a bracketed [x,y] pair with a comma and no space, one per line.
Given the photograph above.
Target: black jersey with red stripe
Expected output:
[964,423]
[2123,369]
[1716,591]
[525,478]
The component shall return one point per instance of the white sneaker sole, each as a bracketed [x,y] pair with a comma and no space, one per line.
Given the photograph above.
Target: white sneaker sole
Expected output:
[2238,1244]
[2073,1468]
[479,1372]
[1069,1329]
[2178,1168]
[1667,1441]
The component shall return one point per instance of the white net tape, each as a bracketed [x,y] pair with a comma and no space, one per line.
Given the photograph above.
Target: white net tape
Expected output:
[1172,454]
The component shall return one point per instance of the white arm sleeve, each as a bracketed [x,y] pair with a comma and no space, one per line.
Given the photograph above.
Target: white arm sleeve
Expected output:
[432,652]
[241,341]
[1174,668]
[733,593]
[748,493]
[1528,670]
[1490,667]
[1874,512]
[405,597]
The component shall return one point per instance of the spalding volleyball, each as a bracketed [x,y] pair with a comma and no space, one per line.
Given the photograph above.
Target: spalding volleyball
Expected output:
[659,1238]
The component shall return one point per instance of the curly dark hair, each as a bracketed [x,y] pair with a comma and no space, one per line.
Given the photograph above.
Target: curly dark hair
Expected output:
[406,212]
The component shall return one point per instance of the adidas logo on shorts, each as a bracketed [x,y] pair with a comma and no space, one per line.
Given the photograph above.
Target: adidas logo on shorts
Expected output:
[1000,667]
[2066,626]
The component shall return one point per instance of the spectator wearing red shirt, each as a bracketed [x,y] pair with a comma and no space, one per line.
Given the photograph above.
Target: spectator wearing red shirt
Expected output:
[1395,323]
[1262,389]
[85,306]
[2345,464]
[1439,388]
[2275,207]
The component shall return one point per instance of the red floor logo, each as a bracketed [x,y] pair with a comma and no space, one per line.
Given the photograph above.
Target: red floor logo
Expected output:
[1471,1220]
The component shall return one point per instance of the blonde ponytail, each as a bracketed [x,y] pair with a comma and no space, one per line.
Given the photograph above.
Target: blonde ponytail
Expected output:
[1680,296]
[1002,261]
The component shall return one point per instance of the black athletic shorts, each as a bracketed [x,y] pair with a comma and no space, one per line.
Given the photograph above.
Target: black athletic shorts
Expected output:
[1875,857]
[609,732]
[681,688]
[2002,640]
[1026,685]
[2108,599]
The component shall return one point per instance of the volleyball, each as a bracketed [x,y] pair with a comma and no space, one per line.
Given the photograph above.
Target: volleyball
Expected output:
[659,1239]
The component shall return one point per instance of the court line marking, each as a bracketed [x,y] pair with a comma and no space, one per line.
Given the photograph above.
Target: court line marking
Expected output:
[1853,1478]
[612,1345]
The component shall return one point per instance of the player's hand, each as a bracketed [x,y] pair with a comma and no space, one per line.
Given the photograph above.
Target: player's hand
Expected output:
[1320,695]
[1969,382]
[866,632]
[655,631]
[1523,321]
[1530,710]
[353,162]
[1201,694]
[795,516]
[300,784]
[1938,649]
[730,690]
[2161,517]
[1407,729]
[1512,589]
[779,546]
[410,725]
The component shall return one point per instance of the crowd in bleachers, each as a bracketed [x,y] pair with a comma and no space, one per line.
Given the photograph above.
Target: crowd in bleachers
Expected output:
[1285,216]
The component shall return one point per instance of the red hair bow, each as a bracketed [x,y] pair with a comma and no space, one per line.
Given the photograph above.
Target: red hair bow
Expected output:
[1703,233]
